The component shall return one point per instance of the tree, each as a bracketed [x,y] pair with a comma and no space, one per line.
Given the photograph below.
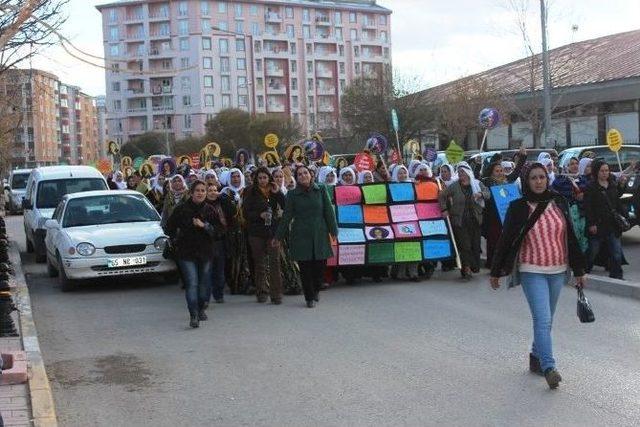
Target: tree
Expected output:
[145,145]
[188,145]
[288,132]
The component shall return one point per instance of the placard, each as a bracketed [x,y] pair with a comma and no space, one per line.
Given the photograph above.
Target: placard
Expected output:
[379,232]
[433,228]
[407,230]
[350,214]
[375,194]
[376,215]
[350,235]
[503,195]
[348,195]
[381,253]
[351,255]
[403,213]
[408,252]
[427,191]
[401,192]
[436,249]
[428,210]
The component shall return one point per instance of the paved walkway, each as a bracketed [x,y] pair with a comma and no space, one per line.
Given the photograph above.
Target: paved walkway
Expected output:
[14,399]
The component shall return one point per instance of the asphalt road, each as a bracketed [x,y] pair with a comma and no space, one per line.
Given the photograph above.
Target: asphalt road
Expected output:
[631,249]
[440,352]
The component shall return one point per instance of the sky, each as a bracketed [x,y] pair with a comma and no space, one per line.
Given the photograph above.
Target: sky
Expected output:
[433,41]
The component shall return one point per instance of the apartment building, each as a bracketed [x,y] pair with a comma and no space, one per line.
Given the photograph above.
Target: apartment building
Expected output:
[174,64]
[54,122]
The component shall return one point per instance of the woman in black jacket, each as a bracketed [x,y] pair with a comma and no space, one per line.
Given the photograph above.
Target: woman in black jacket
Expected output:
[224,210]
[262,205]
[193,234]
[601,203]
[538,248]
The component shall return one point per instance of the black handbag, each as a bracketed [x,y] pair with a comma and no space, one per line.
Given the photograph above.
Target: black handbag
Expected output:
[621,222]
[169,251]
[585,312]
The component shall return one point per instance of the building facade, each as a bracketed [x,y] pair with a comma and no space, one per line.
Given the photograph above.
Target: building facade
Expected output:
[53,122]
[172,65]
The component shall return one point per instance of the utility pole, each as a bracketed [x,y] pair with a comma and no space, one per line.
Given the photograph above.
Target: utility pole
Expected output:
[546,78]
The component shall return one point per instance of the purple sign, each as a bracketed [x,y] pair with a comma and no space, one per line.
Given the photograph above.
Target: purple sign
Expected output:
[489,118]
[377,143]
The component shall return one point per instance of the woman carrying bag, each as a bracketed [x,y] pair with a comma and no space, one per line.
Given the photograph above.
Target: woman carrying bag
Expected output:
[538,249]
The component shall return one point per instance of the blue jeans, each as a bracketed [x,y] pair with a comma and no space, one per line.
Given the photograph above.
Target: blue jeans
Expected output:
[615,253]
[542,292]
[217,271]
[196,275]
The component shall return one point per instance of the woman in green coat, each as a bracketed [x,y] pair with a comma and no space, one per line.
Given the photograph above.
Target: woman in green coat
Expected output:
[308,220]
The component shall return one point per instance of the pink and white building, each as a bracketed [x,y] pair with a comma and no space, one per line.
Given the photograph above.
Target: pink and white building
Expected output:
[174,64]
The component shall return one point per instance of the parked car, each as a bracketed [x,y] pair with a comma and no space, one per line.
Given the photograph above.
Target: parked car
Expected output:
[15,190]
[628,153]
[105,233]
[45,188]
[508,155]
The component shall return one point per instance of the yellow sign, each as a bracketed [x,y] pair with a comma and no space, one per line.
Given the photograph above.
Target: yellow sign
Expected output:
[271,140]
[614,140]
[411,148]
[326,158]
[184,160]
[147,169]
[294,153]
[126,161]
[213,149]
[271,157]
[454,153]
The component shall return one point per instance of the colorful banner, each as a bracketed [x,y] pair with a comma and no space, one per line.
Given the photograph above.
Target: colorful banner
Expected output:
[503,195]
[388,223]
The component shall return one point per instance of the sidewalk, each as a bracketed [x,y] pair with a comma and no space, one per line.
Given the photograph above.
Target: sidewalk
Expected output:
[29,403]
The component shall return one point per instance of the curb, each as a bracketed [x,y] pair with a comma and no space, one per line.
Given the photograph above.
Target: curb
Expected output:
[611,286]
[42,405]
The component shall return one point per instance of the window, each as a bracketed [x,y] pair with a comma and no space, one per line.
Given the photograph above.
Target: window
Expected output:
[187,121]
[310,85]
[226,101]
[288,12]
[113,33]
[309,49]
[357,68]
[223,26]
[183,27]
[260,101]
[208,81]
[354,34]
[242,100]
[242,82]
[166,64]
[186,101]
[239,27]
[113,15]
[382,19]
[207,62]
[338,32]
[114,50]
[356,51]
[294,102]
[383,36]
[338,18]
[353,17]
[342,68]
[206,43]
[204,7]
[206,25]
[208,100]
[183,9]
[309,67]
[224,65]
[225,84]
[117,105]
[342,84]
[294,66]
[259,64]
[241,64]
[259,83]
[386,52]
[185,83]
[294,84]
[306,31]
[305,15]
[257,46]
[341,50]
[293,48]
[223,45]
[310,102]
[239,45]
[253,10]
[115,86]
[184,62]
[184,44]
[291,32]
[222,8]
[238,9]
[255,29]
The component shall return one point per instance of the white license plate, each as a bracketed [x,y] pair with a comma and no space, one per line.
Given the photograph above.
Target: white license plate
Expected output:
[126,262]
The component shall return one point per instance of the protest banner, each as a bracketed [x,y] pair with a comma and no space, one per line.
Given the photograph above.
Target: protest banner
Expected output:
[503,195]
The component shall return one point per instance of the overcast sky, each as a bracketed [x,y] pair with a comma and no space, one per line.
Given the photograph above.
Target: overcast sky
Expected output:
[436,40]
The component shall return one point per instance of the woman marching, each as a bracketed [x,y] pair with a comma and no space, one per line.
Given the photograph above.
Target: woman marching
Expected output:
[192,230]
[178,193]
[538,248]
[463,202]
[400,173]
[223,210]
[263,203]
[309,222]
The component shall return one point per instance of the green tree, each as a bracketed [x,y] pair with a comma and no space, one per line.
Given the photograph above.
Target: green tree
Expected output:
[145,145]
[288,132]
[230,129]
[188,145]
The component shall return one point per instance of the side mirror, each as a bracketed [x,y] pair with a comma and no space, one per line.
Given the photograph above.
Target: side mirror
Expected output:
[26,204]
[51,223]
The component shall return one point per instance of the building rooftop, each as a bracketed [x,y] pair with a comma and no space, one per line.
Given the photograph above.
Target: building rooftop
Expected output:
[364,5]
[608,58]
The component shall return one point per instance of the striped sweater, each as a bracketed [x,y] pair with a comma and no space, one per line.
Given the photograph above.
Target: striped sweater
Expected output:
[544,249]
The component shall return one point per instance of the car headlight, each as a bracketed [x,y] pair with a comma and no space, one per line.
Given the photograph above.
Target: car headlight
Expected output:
[85,249]
[160,243]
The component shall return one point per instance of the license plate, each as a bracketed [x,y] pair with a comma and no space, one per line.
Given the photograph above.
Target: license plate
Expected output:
[126,262]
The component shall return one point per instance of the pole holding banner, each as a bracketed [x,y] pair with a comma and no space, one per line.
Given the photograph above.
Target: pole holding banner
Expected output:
[396,127]
[489,118]
[453,236]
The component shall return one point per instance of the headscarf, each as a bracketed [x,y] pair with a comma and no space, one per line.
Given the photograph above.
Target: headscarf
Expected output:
[529,195]
[324,172]
[582,166]
[177,195]
[345,171]
[413,168]
[155,185]
[454,175]
[396,170]
[122,184]
[361,176]
[475,184]
[230,189]
[542,156]
[209,173]
[547,163]
[422,166]
[508,165]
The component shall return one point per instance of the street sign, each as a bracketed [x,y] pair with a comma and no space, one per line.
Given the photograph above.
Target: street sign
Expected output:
[454,153]
[614,140]
[394,119]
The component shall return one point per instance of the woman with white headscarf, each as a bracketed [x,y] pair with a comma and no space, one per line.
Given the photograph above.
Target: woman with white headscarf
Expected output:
[365,177]
[548,164]
[400,174]
[177,193]
[118,179]
[409,270]
[347,177]
[447,175]
[423,173]
[327,175]
[234,183]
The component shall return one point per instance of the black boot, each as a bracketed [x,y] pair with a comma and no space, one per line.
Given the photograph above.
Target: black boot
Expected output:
[534,365]
[553,378]
[202,315]
[311,304]
[194,322]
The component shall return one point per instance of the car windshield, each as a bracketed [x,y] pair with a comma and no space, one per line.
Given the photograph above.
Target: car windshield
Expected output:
[19,181]
[108,209]
[51,192]
[627,155]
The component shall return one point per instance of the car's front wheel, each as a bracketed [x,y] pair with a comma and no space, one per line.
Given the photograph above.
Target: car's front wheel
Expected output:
[66,284]
[52,271]
[28,242]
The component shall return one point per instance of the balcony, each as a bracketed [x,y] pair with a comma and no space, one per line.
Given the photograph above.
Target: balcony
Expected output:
[163,108]
[276,89]
[276,107]
[272,17]
[274,71]
[326,90]
[324,73]
[134,17]
[137,109]
[158,89]
[136,36]
[158,34]
[369,23]
[159,15]
[161,53]
[323,20]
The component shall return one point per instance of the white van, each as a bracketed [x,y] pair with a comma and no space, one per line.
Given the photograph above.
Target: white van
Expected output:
[45,188]
[15,190]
